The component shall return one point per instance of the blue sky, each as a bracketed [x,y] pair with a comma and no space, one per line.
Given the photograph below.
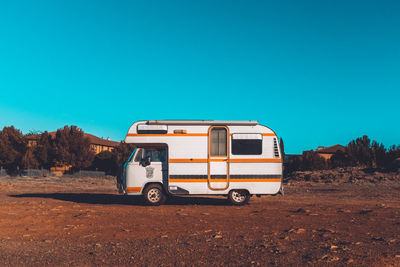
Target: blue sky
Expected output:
[317,72]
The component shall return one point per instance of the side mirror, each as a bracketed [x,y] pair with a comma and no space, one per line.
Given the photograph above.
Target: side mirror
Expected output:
[146,162]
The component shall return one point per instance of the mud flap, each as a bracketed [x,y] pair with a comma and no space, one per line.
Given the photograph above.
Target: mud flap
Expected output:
[281,190]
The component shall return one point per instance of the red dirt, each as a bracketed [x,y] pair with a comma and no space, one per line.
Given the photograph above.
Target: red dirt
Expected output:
[54,221]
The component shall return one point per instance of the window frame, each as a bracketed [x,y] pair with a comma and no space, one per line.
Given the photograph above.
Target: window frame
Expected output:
[227,141]
[240,154]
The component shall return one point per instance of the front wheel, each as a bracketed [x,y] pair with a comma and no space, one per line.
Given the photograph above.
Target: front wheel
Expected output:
[239,197]
[154,195]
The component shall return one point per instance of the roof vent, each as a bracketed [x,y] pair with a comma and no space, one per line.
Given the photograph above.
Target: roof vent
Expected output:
[152,129]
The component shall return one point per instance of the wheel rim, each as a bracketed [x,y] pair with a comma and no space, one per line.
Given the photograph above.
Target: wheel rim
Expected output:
[238,197]
[154,195]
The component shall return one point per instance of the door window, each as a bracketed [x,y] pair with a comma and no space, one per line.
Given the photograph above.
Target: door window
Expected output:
[218,141]
[155,154]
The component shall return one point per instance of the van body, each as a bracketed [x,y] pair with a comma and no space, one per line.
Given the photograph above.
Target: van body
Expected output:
[202,157]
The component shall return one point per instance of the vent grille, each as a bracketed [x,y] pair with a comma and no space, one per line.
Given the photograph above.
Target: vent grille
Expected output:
[276,150]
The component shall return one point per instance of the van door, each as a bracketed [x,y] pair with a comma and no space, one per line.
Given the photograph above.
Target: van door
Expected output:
[139,173]
[218,158]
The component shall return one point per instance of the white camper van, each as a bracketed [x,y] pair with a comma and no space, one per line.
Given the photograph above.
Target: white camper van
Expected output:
[237,159]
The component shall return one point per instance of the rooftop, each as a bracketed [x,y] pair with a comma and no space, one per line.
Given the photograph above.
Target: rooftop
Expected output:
[201,122]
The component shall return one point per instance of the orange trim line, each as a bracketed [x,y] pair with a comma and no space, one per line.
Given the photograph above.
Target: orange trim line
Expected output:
[133,189]
[188,134]
[269,134]
[222,160]
[255,160]
[168,134]
[221,180]
[187,160]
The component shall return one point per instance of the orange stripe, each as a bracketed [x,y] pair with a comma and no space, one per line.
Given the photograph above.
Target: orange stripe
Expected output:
[218,180]
[218,160]
[231,160]
[188,180]
[133,189]
[187,160]
[255,180]
[187,134]
[269,134]
[168,134]
[221,180]
[255,160]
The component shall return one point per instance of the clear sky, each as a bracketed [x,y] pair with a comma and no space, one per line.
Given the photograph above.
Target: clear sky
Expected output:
[317,72]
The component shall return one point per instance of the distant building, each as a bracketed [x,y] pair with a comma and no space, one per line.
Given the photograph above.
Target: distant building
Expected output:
[99,145]
[328,152]
[96,143]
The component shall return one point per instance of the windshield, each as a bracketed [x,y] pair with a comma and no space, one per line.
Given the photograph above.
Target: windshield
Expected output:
[131,156]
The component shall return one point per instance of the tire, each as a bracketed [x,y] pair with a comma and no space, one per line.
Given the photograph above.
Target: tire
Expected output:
[239,197]
[154,195]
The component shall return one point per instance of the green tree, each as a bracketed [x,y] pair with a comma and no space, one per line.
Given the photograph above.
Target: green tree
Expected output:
[43,150]
[360,152]
[379,155]
[123,152]
[12,148]
[71,147]
[339,159]
[105,161]
[312,161]
[29,160]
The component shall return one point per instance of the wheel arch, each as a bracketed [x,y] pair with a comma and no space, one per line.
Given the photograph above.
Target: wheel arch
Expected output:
[151,183]
[240,189]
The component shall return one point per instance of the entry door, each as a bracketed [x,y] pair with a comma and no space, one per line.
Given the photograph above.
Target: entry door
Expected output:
[218,158]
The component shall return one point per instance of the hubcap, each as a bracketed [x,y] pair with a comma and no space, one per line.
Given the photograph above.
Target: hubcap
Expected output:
[154,195]
[238,197]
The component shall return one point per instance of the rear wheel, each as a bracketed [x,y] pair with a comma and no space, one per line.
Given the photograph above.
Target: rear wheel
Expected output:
[239,197]
[154,195]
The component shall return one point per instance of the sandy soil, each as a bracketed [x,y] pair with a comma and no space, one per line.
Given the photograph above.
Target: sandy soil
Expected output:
[53,221]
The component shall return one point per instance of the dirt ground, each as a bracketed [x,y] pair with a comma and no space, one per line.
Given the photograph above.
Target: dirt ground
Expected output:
[84,222]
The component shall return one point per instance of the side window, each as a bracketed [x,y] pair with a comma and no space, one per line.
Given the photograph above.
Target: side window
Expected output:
[139,155]
[218,141]
[156,155]
[159,155]
[246,144]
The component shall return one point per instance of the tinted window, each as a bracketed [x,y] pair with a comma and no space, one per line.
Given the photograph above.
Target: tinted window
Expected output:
[246,144]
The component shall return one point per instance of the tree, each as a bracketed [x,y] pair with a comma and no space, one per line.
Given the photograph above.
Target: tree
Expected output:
[29,160]
[360,152]
[339,159]
[43,150]
[12,148]
[105,161]
[71,147]
[312,161]
[392,158]
[122,152]
[379,155]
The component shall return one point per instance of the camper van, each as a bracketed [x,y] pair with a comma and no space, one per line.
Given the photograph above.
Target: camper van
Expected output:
[236,159]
